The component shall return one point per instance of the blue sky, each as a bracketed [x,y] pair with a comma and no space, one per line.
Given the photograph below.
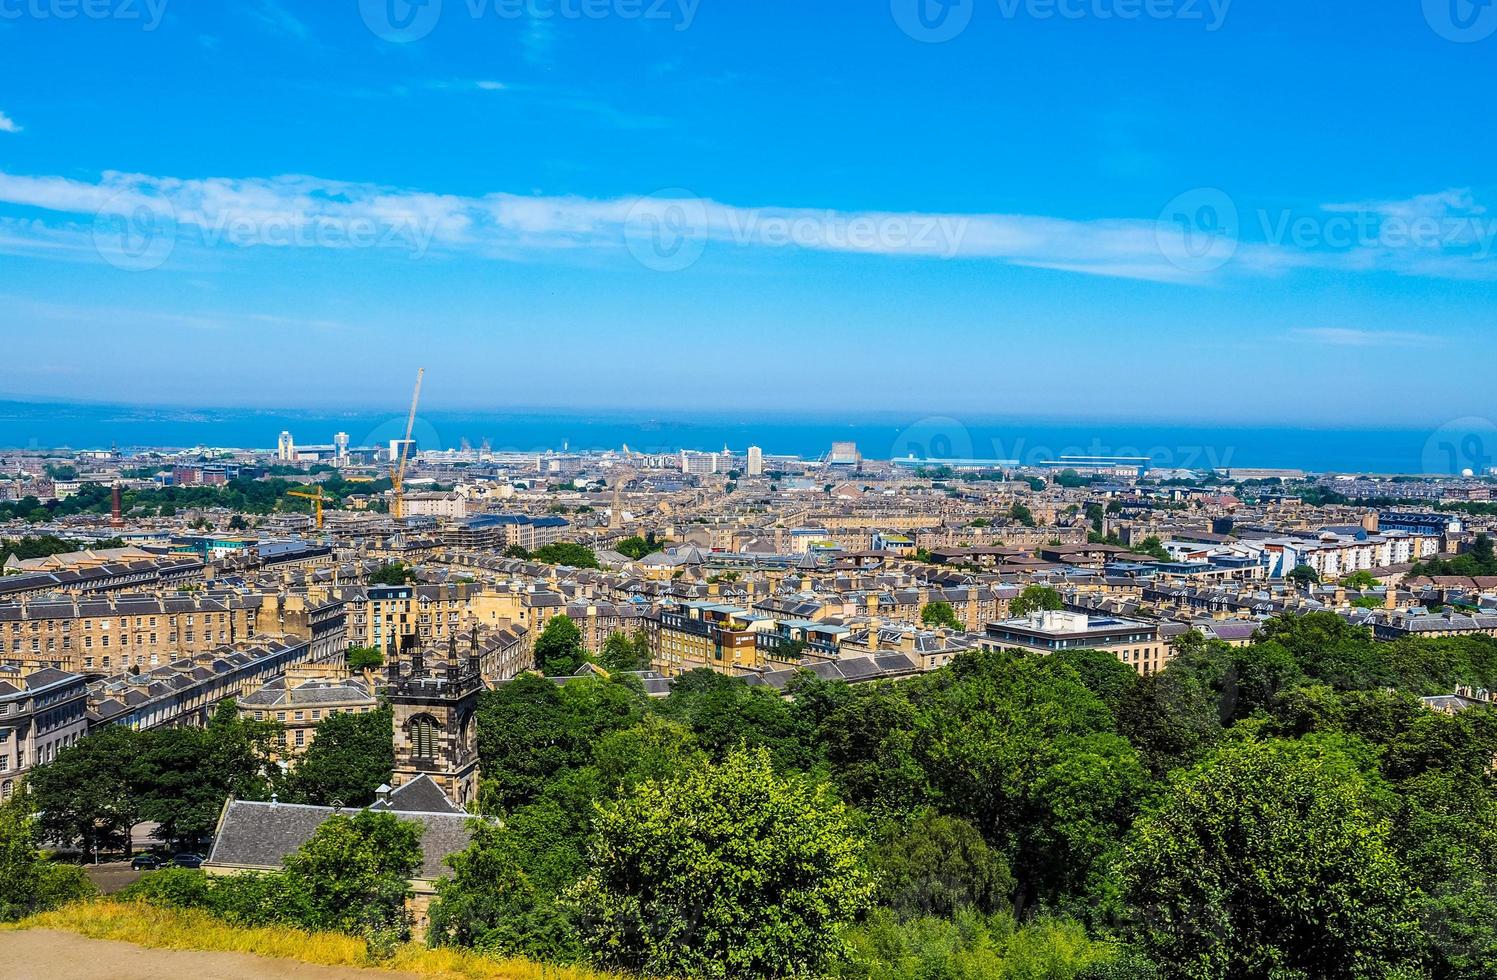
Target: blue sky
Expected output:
[1246,211]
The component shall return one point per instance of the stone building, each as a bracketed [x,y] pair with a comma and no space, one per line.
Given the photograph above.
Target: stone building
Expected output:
[435,727]
[300,700]
[41,712]
[113,633]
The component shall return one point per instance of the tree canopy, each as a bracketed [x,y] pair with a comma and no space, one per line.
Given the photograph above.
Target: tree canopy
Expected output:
[1035,598]
[728,870]
[940,613]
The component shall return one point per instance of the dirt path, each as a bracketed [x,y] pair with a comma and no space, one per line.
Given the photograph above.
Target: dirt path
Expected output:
[42,954]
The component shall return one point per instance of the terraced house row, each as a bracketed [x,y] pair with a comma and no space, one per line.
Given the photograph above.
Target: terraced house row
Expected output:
[112,633]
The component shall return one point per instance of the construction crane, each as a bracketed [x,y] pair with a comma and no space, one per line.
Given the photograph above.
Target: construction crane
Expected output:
[397,466]
[313,495]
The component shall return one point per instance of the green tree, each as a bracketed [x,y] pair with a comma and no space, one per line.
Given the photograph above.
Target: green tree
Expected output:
[350,756]
[1019,746]
[1152,547]
[1303,575]
[493,901]
[1171,718]
[567,553]
[1103,673]
[558,650]
[364,658]
[727,871]
[1021,514]
[724,712]
[356,870]
[656,748]
[622,651]
[940,613]
[1447,835]
[392,573]
[1272,860]
[1035,598]
[29,884]
[184,774]
[637,547]
[87,796]
[868,738]
[531,733]
[938,865]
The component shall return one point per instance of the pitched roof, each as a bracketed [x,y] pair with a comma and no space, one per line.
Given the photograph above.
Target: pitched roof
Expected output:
[259,836]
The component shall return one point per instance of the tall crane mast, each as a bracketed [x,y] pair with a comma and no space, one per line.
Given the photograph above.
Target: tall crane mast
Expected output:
[397,466]
[317,500]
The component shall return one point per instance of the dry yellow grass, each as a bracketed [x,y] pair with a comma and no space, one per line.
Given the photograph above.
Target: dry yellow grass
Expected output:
[160,928]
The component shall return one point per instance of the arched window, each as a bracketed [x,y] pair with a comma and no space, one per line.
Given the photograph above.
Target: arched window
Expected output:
[423,729]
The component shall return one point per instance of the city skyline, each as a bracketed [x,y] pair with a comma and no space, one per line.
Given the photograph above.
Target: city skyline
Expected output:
[789,231]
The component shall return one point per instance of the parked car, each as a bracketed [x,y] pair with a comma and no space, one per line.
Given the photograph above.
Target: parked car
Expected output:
[187,860]
[145,862]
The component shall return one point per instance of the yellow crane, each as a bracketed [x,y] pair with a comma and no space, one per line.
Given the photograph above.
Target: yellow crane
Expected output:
[397,466]
[313,495]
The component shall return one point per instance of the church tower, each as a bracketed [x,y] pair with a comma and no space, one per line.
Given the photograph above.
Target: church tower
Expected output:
[436,731]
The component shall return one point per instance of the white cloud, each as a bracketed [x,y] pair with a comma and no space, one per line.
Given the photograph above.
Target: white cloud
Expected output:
[8,125]
[298,210]
[278,19]
[1346,337]
[1442,204]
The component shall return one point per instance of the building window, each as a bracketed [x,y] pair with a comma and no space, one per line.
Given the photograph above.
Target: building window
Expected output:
[423,729]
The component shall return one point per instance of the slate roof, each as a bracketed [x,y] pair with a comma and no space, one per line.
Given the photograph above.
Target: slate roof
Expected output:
[259,836]
[420,795]
[274,693]
[851,669]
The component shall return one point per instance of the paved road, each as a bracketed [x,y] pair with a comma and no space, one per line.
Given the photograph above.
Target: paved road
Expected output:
[42,954]
[111,877]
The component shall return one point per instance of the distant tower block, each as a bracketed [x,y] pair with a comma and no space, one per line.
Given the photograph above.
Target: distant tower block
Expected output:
[396,445]
[845,454]
[755,461]
[340,447]
[285,449]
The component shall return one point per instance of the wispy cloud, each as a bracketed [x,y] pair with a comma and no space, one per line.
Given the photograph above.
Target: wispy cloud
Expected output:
[276,17]
[303,211]
[8,125]
[1347,337]
[211,320]
[1456,201]
[537,41]
[550,100]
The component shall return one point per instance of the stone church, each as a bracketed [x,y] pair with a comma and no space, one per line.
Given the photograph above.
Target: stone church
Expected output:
[434,783]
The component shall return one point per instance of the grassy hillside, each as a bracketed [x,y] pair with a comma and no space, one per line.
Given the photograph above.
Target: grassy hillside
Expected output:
[146,925]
